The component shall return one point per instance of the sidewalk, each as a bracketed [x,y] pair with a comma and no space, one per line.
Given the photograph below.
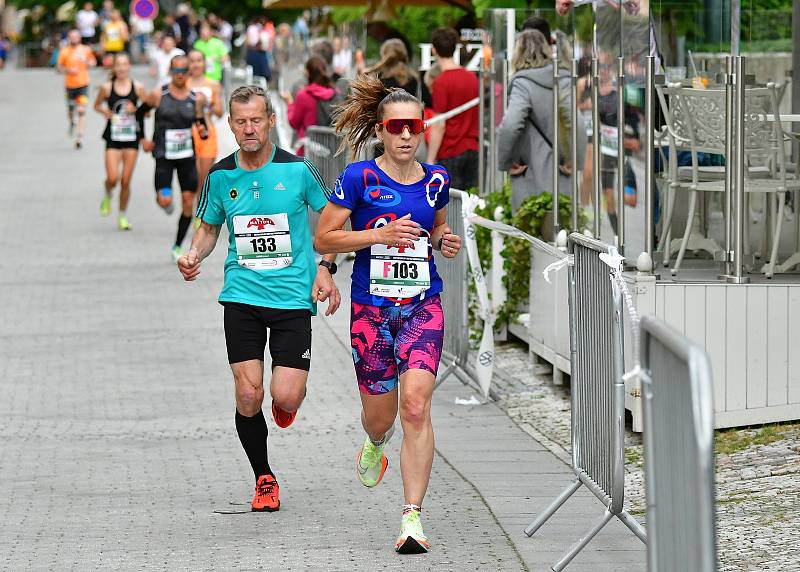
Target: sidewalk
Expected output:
[116,415]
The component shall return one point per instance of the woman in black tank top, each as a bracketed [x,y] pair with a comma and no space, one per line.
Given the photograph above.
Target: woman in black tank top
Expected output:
[117,101]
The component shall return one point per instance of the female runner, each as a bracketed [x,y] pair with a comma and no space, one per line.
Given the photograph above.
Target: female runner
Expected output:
[117,101]
[205,148]
[396,206]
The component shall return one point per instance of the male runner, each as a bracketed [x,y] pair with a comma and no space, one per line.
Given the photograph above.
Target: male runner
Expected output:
[177,110]
[262,193]
[74,61]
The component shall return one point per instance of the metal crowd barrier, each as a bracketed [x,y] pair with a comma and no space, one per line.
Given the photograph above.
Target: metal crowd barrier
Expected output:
[320,148]
[455,298]
[597,396]
[679,451]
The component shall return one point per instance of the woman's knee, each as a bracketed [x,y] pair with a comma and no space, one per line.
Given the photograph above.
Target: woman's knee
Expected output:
[414,410]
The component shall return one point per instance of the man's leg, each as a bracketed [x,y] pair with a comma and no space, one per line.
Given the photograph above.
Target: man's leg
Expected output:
[246,338]
[80,108]
[251,426]
[290,349]
[187,177]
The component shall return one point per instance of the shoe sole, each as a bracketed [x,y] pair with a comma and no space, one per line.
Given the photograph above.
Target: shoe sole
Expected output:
[411,546]
[384,466]
[266,509]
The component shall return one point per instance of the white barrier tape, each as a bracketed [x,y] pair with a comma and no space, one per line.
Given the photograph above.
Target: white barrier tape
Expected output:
[614,260]
[452,113]
[484,366]
[502,228]
[568,260]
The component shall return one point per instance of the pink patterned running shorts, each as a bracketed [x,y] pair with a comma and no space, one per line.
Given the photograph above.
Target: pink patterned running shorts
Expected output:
[387,341]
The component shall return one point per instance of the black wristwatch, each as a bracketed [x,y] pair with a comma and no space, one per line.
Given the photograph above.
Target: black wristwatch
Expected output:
[331,266]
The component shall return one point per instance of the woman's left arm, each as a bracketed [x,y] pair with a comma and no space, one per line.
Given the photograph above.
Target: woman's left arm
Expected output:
[442,238]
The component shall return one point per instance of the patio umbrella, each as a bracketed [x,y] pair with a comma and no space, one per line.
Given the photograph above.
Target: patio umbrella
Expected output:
[275,4]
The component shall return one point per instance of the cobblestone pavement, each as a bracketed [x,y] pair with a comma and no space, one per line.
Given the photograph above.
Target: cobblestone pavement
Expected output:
[116,403]
[757,477]
[116,406]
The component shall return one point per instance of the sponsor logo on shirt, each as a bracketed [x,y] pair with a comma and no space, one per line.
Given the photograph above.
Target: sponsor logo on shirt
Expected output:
[307,354]
[260,222]
[234,193]
[381,220]
[279,187]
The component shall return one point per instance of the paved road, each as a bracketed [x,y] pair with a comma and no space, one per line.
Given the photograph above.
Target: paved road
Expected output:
[116,406]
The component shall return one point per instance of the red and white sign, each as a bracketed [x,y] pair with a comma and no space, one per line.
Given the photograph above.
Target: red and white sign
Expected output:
[145,9]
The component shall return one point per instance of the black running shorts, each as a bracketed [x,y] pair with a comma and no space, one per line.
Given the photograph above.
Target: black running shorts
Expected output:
[187,173]
[289,335]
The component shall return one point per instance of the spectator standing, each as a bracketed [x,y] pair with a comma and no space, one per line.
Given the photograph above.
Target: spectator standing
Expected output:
[342,57]
[213,49]
[184,22]
[454,143]
[300,27]
[162,58]
[141,30]
[86,20]
[224,30]
[312,106]
[171,28]
[524,138]
[5,47]
[256,54]
[393,69]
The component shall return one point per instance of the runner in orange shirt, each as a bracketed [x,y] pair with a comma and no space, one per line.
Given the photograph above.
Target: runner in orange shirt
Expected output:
[74,62]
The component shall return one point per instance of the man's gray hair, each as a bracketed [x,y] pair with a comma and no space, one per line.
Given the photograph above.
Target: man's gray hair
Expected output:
[244,93]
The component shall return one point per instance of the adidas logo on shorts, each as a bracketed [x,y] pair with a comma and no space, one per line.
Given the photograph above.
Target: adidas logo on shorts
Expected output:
[307,354]
[279,187]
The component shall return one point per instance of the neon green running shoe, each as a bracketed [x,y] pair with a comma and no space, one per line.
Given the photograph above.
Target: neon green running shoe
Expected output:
[105,206]
[371,463]
[122,222]
[412,539]
[177,252]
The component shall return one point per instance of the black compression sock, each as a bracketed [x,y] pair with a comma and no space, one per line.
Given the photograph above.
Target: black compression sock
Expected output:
[253,436]
[183,227]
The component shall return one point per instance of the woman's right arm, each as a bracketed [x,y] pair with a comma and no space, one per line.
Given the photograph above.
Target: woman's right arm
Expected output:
[102,96]
[332,238]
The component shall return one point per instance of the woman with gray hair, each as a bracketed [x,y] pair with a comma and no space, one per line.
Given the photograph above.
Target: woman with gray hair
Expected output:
[525,136]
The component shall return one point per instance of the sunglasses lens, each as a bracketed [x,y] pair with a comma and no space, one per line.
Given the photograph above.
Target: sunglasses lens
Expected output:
[396,126]
[176,71]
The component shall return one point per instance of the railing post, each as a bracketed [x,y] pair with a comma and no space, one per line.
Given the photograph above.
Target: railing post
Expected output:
[492,159]
[649,163]
[597,164]
[556,142]
[621,153]
[482,126]
[730,166]
[738,157]
[576,203]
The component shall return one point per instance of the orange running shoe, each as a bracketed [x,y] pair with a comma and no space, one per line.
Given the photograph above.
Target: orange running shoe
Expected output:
[282,418]
[267,495]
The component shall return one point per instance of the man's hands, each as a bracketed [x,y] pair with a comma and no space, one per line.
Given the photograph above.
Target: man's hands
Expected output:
[324,288]
[400,232]
[189,265]
[451,243]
